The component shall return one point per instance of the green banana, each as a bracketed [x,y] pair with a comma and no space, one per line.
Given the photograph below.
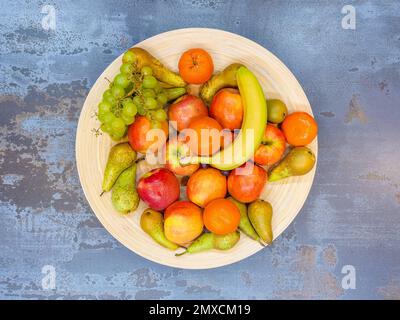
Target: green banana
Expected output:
[253,126]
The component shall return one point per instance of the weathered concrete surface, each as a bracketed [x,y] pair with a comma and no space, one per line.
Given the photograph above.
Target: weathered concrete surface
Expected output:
[352,216]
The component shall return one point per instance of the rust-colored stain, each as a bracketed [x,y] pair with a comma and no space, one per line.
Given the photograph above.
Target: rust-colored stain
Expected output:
[318,280]
[307,258]
[355,111]
[391,291]
[329,256]
[397,196]
[374,176]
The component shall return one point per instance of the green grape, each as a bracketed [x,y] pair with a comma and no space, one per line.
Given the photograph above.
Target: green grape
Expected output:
[162,99]
[157,89]
[105,127]
[150,115]
[127,119]
[129,87]
[117,135]
[129,57]
[155,124]
[108,117]
[127,68]
[138,101]
[149,82]
[114,138]
[111,100]
[129,109]
[146,71]
[121,80]
[120,133]
[150,103]
[107,93]
[118,126]
[141,110]
[126,100]
[117,91]
[148,93]
[160,115]
[104,106]
[108,97]
[101,115]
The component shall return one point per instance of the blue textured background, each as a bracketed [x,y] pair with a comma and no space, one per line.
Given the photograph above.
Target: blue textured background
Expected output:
[352,215]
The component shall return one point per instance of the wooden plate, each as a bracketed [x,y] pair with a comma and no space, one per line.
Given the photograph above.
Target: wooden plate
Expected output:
[287,197]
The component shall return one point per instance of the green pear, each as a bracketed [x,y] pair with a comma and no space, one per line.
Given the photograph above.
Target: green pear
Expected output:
[226,241]
[124,196]
[299,161]
[208,241]
[202,243]
[152,222]
[121,156]
[260,215]
[245,224]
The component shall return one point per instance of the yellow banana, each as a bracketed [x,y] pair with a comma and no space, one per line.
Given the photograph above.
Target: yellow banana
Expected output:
[253,126]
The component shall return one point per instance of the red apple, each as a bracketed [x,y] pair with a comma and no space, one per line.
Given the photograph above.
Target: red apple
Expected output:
[183,222]
[174,151]
[206,185]
[246,182]
[185,109]
[158,188]
[140,139]
[272,146]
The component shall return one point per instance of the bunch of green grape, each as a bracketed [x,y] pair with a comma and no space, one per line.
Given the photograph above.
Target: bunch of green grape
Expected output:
[131,92]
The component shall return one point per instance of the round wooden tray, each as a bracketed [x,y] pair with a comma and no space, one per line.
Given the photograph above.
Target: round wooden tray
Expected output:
[287,197]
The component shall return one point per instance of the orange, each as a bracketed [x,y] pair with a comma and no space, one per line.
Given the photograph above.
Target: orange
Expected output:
[203,135]
[221,216]
[196,66]
[299,128]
